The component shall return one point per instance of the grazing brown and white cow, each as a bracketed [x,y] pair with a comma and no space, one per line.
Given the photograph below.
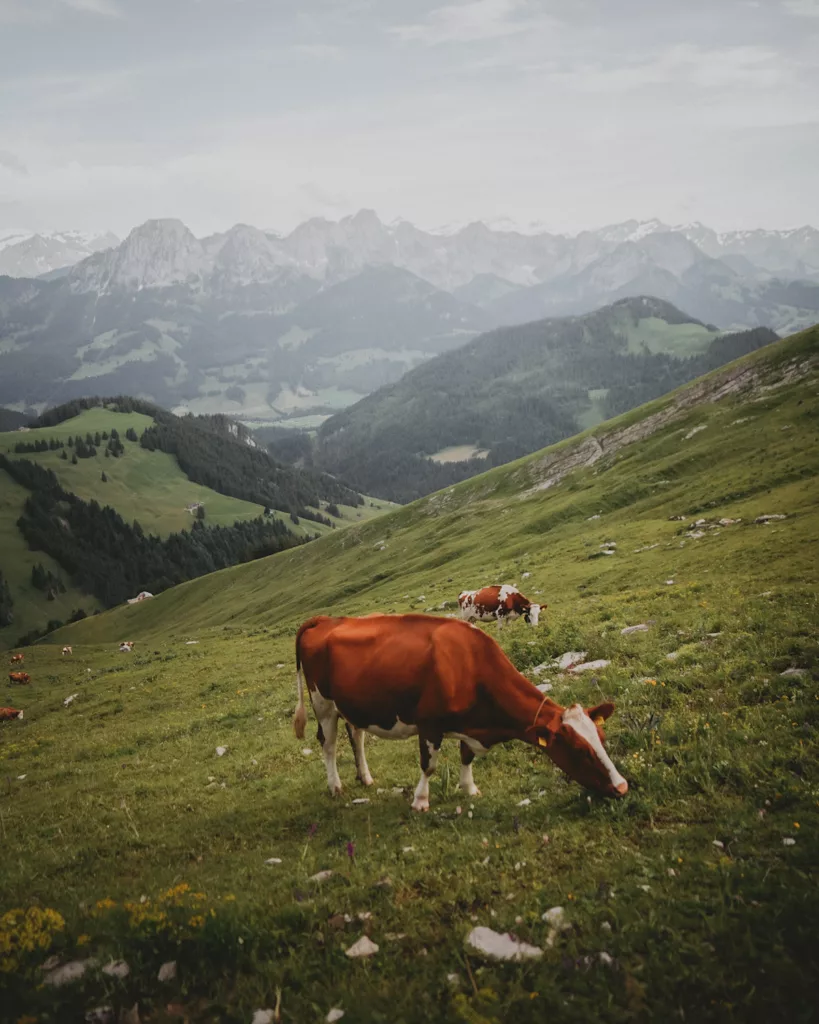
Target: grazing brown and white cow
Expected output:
[16,658]
[7,714]
[67,650]
[398,676]
[126,645]
[499,603]
[19,677]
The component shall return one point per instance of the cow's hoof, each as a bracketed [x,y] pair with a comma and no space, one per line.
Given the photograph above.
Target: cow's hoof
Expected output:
[335,791]
[420,805]
[473,792]
[367,780]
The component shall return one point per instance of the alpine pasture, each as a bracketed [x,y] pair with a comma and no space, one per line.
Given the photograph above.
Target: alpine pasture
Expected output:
[167,813]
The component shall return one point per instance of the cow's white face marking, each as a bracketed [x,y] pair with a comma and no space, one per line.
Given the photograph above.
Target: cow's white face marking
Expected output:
[400,731]
[576,718]
[534,614]
[474,745]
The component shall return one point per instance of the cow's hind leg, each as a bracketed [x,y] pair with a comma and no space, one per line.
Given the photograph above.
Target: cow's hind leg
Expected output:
[357,743]
[430,748]
[327,715]
[467,783]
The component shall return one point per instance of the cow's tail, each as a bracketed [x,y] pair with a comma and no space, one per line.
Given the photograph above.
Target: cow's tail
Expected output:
[300,714]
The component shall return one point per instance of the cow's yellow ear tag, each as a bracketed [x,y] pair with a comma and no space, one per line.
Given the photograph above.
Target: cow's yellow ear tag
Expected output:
[599,720]
[542,741]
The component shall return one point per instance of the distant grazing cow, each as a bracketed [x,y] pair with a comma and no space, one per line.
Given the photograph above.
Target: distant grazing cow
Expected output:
[126,645]
[67,650]
[499,603]
[432,677]
[7,714]
[16,658]
[19,677]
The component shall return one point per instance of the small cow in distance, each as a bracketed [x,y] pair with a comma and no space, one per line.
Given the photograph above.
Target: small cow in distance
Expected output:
[67,650]
[19,677]
[16,658]
[126,645]
[499,603]
[398,676]
[7,714]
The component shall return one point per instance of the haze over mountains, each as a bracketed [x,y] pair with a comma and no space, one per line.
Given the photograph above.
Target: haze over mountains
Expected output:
[36,253]
[269,327]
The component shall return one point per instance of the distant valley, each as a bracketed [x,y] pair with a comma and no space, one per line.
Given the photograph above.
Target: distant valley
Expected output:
[292,329]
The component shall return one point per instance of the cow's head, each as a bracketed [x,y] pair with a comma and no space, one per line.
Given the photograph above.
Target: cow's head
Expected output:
[532,613]
[578,747]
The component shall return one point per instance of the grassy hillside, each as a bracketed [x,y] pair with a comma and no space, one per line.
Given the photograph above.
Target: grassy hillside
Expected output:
[31,608]
[142,485]
[700,885]
[517,388]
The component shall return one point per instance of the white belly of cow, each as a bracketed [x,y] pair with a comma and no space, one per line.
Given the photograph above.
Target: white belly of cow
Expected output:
[482,614]
[400,731]
[474,745]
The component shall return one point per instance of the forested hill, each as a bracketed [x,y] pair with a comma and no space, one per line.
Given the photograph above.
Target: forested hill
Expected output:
[102,499]
[219,453]
[517,389]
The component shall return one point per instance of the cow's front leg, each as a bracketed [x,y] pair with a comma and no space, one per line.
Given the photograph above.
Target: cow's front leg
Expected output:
[467,783]
[430,748]
[357,743]
[327,715]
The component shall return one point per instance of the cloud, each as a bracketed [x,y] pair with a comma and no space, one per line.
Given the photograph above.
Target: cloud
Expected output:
[322,197]
[473,21]
[12,163]
[803,8]
[44,11]
[106,8]
[321,51]
[684,64]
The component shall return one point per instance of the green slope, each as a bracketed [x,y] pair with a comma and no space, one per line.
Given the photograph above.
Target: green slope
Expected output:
[143,485]
[147,486]
[686,884]
[517,388]
[31,607]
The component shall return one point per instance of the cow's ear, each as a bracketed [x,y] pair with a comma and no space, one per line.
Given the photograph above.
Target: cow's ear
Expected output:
[602,712]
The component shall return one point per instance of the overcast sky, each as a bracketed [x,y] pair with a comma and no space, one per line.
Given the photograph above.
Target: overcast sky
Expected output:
[566,113]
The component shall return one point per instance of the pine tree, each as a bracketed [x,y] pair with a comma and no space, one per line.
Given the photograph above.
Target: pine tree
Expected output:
[63,454]
[74,459]
[103,477]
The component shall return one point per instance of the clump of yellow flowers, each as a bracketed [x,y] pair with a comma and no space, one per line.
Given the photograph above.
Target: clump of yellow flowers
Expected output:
[23,931]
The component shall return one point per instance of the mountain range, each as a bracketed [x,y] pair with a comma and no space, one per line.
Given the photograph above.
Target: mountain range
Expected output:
[294,327]
[38,253]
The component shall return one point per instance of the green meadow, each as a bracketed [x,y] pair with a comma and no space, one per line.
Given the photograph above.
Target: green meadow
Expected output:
[148,486]
[128,836]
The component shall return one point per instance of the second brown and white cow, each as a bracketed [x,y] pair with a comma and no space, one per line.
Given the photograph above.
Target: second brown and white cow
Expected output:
[398,676]
[498,603]
[9,714]
[16,658]
[19,677]
[67,650]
